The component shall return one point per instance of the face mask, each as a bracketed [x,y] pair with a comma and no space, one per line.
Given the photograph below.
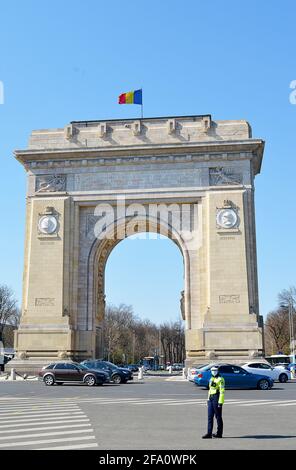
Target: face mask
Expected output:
[214,373]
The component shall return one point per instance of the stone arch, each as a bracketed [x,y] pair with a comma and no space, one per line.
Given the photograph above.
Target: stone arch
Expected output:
[100,252]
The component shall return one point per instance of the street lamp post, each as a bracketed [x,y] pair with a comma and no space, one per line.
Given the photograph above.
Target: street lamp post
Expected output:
[291,327]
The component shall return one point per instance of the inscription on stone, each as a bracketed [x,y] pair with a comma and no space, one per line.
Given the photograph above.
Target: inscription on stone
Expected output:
[44,302]
[229,299]
[135,179]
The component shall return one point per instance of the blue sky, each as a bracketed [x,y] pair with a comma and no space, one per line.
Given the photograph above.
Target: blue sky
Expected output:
[64,61]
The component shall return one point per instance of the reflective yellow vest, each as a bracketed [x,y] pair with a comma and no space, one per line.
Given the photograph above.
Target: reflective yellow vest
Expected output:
[217,385]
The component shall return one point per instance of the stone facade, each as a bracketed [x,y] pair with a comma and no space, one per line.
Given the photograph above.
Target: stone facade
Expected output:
[202,167]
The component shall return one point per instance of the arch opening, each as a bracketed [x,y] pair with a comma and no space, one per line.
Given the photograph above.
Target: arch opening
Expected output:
[98,259]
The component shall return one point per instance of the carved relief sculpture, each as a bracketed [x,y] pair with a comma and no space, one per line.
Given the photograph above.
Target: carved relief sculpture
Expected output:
[220,176]
[50,183]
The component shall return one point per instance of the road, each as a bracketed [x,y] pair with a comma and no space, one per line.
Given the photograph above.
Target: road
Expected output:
[155,414]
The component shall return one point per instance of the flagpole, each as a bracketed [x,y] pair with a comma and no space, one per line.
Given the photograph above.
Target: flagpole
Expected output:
[142,105]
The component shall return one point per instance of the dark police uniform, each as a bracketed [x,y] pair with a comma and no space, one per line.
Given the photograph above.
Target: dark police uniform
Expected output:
[215,402]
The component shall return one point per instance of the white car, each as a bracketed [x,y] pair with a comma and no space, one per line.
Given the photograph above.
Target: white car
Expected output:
[193,371]
[276,373]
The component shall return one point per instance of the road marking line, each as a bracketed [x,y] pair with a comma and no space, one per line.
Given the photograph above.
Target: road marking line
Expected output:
[77,446]
[167,403]
[62,417]
[32,413]
[143,400]
[39,408]
[245,402]
[36,403]
[46,428]
[284,404]
[256,403]
[46,441]
[26,418]
[46,434]
[40,421]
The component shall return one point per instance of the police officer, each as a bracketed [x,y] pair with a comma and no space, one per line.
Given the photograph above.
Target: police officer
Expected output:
[215,403]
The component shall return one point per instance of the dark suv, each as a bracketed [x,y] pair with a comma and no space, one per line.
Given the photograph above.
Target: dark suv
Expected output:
[118,374]
[61,372]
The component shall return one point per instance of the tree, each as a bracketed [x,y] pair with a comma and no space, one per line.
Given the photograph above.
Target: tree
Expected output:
[117,331]
[173,341]
[277,327]
[277,332]
[9,313]
[130,339]
[287,296]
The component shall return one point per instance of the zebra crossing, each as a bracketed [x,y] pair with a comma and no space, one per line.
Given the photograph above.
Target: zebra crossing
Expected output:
[51,424]
[44,425]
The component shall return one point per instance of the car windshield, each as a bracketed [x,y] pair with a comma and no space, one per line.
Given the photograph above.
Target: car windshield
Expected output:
[109,364]
[208,366]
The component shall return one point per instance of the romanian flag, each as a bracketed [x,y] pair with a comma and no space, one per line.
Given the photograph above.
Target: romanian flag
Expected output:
[132,97]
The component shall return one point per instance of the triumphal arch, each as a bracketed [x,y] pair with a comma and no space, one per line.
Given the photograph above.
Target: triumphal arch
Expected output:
[93,183]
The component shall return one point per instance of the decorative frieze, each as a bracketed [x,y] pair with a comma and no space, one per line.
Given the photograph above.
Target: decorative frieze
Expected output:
[218,175]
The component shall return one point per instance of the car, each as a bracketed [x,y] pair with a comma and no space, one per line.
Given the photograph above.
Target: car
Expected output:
[132,367]
[118,375]
[279,373]
[176,366]
[235,377]
[64,372]
[193,371]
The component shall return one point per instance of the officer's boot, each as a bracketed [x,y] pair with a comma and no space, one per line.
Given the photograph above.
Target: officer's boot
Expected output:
[207,436]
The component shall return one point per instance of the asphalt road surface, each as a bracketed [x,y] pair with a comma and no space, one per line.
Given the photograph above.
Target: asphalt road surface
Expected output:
[157,413]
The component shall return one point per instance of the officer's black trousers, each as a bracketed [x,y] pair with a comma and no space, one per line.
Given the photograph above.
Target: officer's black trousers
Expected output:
[214,410]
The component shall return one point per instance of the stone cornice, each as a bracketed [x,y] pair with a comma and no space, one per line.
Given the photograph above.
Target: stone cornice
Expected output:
[251,149]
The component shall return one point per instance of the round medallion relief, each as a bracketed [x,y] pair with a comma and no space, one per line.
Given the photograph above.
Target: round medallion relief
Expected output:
[47,224]
[226,218]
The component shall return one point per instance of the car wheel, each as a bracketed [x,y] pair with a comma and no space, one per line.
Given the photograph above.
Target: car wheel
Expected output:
[90,380]
[263,384]
[48,379]
[117,379]
[283,378]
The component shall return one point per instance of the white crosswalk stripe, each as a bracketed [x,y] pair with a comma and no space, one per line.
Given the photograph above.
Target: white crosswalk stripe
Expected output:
[57,416]
[45,441]
[32,424]
[48,421]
